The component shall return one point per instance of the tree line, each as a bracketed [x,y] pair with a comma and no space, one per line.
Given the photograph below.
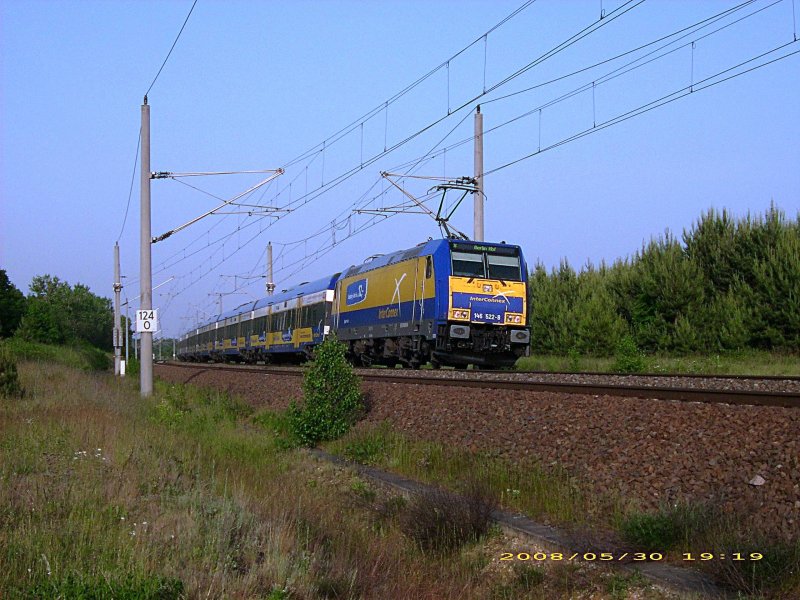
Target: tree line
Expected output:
[55,312]
[728,284]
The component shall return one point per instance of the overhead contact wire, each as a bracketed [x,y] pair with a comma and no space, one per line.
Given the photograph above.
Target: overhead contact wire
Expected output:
[186,20]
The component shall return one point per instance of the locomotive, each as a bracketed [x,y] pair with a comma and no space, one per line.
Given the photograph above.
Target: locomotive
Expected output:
[446,301]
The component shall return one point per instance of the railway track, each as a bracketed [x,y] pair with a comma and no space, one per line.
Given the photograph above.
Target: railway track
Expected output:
[743,390]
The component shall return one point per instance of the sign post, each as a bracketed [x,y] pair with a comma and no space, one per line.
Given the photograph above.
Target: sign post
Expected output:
[147,320]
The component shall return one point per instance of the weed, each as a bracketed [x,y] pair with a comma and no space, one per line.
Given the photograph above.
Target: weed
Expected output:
[272,421]
[567,578]
[9,378]
[362,490]
[102,587]
[278,424]
[132,367]
[335,587]
[386,510]
[775,574]
[371,448]
[619,584]
[442,521]
[168,414]
[667,528]
[526,579]
[278,593]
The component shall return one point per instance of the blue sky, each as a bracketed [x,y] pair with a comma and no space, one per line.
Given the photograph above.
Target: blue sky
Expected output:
[255,85]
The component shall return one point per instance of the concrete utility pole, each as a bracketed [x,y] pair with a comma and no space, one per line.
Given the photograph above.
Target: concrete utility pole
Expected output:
[117,335]
[478,232]
[145,262]
[127,334]
[270,281]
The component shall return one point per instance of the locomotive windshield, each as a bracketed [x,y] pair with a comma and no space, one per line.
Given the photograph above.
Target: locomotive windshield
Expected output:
[469,264]
[486,262]
[503,267]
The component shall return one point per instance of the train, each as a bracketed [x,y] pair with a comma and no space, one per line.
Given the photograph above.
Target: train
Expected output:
[447,302]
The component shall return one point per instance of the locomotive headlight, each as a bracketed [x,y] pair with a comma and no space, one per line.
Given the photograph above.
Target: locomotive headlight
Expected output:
[460,314]
[459,331]
[520,336]
[513,318]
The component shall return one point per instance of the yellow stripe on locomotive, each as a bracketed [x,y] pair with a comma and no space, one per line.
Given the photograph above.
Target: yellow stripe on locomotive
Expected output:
[386,286]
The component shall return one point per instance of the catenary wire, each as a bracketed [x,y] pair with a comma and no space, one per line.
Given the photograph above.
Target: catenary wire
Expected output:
[130,191]
[186,20]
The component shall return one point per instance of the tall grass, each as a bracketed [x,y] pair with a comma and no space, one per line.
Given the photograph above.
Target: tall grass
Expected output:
[189,494]
[547,493]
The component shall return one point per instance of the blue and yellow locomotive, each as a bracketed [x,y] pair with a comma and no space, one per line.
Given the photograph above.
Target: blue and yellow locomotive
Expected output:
[447,302]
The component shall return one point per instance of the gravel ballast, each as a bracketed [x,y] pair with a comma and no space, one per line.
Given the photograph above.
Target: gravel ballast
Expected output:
[650,451]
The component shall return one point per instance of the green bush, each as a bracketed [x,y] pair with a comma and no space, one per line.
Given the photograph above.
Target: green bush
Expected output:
[9,379]
[332,397]
[628,358]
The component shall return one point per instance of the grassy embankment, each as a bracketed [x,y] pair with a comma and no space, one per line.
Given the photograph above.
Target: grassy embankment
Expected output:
[190,494]
[552,495]
[84,357]
[751,362]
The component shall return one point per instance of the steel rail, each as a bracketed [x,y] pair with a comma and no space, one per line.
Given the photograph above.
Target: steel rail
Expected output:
[713,396]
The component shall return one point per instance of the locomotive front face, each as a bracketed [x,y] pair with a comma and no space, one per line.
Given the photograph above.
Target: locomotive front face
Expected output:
[486,285]
[487,310]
